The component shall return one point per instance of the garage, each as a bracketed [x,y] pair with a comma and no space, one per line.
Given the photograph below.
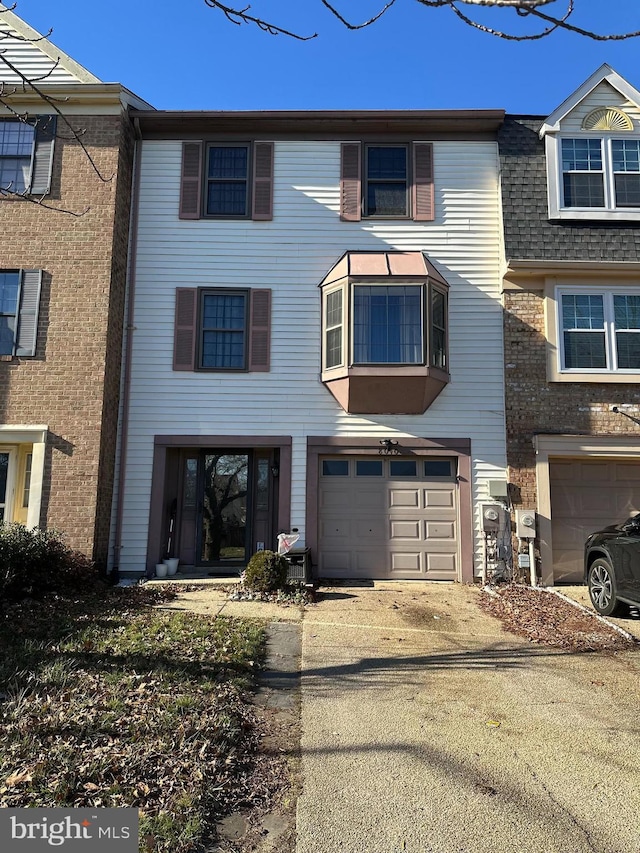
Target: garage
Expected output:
[586,495]
[388,517]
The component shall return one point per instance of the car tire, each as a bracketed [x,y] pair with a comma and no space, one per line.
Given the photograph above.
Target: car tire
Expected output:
[603,591]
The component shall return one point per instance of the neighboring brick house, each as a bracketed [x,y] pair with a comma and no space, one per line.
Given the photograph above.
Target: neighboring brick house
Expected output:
[62,288]
[571,208]
[316,341]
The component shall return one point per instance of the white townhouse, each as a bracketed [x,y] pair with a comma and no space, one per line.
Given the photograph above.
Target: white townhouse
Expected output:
[315,341]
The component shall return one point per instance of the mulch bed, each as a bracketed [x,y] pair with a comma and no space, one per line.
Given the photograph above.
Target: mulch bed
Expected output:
[544,618]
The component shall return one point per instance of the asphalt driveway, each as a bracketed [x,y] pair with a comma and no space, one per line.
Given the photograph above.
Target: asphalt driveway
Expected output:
[427,729]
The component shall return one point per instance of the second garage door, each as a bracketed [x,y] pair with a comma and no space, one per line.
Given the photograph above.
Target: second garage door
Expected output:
[388,517]
[587,495]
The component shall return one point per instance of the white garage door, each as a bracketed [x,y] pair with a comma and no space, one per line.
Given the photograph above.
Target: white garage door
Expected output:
[388,517]
[587,495]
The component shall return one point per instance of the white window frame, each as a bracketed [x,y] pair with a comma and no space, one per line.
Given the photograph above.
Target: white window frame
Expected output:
[607,292]
[4,156]
[557,209]
[326,328]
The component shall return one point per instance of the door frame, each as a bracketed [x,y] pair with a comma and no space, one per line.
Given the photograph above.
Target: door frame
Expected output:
[282,444]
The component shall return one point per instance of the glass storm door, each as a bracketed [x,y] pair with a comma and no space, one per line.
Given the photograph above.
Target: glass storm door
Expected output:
[223,528]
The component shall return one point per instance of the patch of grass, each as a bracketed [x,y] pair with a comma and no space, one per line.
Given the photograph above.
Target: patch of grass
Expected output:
[105,701]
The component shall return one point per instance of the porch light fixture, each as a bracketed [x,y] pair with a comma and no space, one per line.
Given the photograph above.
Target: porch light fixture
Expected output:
[275,471]
[387,445]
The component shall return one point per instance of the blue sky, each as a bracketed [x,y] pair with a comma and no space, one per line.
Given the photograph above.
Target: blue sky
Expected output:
[180,54]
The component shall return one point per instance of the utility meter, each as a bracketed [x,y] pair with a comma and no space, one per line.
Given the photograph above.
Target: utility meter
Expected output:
[525,524]
[491,515]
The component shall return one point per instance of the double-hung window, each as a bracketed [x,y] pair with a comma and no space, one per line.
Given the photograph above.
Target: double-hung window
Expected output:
[387,181]
[386,191]
[599,330]
[227,181]
[19,306]
[601,173]
[9,295]
[16,153]
[222,329]
[26,155]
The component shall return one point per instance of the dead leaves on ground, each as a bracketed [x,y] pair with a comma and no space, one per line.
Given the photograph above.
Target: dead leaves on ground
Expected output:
[547,619]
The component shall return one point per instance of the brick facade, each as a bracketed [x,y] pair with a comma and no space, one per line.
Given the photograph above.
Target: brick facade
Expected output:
[72,383]
[534,405]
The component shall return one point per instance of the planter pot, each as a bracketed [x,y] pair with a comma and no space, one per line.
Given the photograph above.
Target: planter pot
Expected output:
[172,565]
[161,570]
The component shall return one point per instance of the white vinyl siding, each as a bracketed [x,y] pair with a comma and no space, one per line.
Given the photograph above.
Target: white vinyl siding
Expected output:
[604,95]
[291,254]
[37,60]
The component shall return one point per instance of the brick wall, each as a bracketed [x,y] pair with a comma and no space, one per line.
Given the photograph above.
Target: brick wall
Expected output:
[535,406]
[72,383]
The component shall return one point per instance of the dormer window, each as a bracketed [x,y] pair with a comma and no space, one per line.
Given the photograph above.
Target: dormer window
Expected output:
[592,148]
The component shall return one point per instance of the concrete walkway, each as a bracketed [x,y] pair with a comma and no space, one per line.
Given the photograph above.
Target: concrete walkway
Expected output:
[426,729]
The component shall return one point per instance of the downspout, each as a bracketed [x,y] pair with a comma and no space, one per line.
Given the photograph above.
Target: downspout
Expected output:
[129,329]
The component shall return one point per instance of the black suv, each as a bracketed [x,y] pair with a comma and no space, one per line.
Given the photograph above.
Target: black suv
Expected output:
[612,567]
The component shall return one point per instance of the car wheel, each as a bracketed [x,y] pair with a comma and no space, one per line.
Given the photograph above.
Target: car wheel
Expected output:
[602,588]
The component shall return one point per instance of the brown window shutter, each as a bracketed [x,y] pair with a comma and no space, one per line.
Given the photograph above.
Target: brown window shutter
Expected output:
[184,341]
[262,206]
[422,190]
[191,181]
[260,331]
[350,182]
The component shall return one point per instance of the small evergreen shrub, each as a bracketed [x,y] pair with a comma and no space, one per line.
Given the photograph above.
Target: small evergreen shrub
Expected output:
[34,561]
[265,572]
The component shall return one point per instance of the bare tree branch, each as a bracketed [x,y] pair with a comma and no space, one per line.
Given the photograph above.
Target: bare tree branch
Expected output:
[240,16]
[9,193]
[364,24]
[524,8]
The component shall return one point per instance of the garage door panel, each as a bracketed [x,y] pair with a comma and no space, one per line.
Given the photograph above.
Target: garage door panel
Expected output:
[332,499]
[406,562]
[335,561]
[438,498]
[435,531]
[596,493]
[404,497]
[442,566]
[372,531]
[336,528]
[625,472]
[404,529]
[595,472]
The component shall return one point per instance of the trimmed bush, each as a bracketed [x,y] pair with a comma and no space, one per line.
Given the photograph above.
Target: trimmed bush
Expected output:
[34,561]
[265,572]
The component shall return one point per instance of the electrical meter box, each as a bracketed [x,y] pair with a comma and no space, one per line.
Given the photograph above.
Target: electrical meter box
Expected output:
[492,515]
[525,524]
